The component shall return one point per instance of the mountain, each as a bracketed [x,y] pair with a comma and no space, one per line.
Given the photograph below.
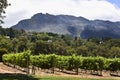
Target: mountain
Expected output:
[70,25]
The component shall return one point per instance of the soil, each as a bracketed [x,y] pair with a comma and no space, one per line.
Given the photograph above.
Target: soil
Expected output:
[7,69]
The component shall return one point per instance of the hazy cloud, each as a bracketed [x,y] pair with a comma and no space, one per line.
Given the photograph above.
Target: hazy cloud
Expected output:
[91,9]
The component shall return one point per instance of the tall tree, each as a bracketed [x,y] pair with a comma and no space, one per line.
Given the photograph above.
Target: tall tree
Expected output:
[3,6]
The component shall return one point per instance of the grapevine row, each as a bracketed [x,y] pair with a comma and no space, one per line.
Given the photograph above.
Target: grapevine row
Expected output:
[71,63]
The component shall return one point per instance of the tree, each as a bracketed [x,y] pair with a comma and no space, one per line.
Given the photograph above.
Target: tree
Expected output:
[115,52]
[3,6]
[42,47]
[14,45]
[82,50]
[10,32]
[4,42]
[22,45]
[2,51]
[92,47]
[2,31]
[60,47]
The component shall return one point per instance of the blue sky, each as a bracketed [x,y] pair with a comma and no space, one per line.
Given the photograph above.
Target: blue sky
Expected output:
[90,9]
[116,2]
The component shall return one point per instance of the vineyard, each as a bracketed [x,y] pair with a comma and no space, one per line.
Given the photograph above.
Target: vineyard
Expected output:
[52,62]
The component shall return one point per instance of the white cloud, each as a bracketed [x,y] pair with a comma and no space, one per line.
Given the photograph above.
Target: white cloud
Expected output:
[91,9]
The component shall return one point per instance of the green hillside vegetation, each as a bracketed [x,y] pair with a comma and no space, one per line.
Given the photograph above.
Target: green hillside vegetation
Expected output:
[13,41]
[31,50]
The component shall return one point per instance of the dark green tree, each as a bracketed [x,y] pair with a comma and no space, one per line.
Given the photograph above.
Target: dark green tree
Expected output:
[43,47]
[2,52]
[3,6]
[82,50]
[22,45]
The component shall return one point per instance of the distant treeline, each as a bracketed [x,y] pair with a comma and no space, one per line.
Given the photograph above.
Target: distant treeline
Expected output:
[12,40]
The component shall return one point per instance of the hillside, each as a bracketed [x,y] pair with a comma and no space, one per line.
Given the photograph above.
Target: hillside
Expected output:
[70,25]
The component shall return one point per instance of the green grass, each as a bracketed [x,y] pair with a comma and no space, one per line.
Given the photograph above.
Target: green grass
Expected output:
[68,78]
[26,77]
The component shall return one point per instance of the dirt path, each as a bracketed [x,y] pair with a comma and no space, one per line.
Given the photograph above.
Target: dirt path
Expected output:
[106,75]
[6,69]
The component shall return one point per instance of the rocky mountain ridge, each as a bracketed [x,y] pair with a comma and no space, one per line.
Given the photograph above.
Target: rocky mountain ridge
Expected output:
[70,25]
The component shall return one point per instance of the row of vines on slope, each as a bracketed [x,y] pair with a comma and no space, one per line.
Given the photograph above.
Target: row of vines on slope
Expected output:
[71,63]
